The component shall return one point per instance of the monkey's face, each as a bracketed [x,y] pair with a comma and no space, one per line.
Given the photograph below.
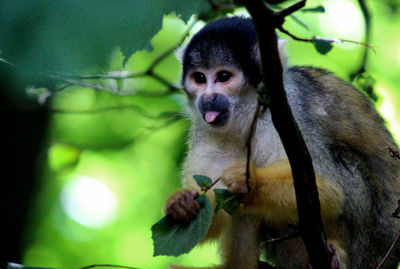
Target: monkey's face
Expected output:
[212,93]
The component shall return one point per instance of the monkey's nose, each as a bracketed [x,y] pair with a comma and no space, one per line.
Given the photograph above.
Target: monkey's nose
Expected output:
[210,98]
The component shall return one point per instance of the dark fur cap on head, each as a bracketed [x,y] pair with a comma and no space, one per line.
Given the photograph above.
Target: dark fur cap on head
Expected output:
[227,41]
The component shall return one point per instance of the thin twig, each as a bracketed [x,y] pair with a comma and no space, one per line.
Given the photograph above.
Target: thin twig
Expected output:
[388,252]
[73,79]
[108,265]
[248,145]
[172,88]
[126,141]
[168,121]
[108,75]
[73,82]
[328,40]
[7,62]
[367,21]
[206,189]
[135,108]
[291,9]
[172,49]
[288,236]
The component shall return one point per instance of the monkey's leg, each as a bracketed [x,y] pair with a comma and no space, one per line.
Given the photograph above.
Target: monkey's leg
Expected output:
[241,242]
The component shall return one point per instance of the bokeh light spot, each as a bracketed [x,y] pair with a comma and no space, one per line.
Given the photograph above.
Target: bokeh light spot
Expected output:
[88,201]
[343,20]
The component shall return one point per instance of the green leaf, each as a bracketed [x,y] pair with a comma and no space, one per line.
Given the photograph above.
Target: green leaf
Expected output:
[319,9]
[219,206]
[322,46]
[220,196]
[174,239]
[303,24]
[232,204]
[228,201]
[202,181]
[70,35]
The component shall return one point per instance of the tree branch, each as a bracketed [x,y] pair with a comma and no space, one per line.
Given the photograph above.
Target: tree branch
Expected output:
[388,252]
[291,9]
[308,206]
[367,21]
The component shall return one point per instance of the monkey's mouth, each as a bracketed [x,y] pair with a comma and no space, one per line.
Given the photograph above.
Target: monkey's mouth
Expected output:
[216,118]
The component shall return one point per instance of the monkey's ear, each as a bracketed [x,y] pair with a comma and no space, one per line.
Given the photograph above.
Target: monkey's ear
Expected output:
[179,51]
[282,52]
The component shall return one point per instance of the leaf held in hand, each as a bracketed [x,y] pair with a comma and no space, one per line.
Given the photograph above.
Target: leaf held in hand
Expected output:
[173,239]
[202,181]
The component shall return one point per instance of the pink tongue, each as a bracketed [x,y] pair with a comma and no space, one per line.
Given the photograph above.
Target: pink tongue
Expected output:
[211,115]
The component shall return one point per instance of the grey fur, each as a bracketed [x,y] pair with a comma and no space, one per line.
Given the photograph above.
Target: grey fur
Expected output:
[347,140]
[329,119]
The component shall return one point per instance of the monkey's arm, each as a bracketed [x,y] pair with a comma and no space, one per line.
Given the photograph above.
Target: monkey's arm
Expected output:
[183,207]
[201,160]
[272,191]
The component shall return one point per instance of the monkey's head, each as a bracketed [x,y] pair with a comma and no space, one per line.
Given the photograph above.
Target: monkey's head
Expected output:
[221,70]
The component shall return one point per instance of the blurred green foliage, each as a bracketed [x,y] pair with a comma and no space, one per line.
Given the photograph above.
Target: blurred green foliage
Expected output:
[136,155]
[110,151]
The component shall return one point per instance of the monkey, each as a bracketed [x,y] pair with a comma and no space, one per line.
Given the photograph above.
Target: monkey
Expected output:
[357,180]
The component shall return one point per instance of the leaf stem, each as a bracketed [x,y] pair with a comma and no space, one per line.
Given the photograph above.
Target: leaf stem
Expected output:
[206,189]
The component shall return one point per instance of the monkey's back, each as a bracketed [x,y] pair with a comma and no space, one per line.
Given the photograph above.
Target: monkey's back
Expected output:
[349,142]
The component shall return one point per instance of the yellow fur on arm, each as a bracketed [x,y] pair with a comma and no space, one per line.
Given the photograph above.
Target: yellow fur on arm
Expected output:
[273,194]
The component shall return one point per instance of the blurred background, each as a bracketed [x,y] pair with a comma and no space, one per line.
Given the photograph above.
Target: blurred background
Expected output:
[93,135]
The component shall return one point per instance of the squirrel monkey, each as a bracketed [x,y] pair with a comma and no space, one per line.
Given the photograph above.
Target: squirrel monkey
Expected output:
[358,182]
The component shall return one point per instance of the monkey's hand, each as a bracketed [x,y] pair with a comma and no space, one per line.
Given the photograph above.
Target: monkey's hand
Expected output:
[234,177]
[182,206]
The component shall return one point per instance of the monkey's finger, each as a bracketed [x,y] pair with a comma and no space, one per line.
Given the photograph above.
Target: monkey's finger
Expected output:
[173,208]
[194,194]
[189,207]
[187,195]
[189,200]
[179,214]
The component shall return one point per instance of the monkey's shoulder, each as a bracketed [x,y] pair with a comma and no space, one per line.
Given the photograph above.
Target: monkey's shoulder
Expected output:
[313,81]
[316,92]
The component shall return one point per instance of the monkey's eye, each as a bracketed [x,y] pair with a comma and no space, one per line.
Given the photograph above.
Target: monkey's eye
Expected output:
[200,78]
[223,76]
